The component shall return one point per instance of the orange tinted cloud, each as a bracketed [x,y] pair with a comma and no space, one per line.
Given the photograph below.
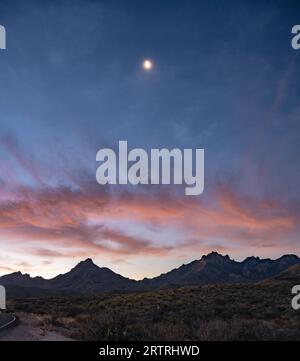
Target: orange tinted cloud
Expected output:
[61,223]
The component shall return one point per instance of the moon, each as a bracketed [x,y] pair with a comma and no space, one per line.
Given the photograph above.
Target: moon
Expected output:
[147,64]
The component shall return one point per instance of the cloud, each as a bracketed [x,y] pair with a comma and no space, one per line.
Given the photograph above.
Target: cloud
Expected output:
[7,269]
[26,164]
[60,222]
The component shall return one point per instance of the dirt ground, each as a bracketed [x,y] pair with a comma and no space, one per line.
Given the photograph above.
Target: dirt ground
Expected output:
[26,330]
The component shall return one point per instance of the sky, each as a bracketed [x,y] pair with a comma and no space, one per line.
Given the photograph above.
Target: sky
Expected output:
[225,78]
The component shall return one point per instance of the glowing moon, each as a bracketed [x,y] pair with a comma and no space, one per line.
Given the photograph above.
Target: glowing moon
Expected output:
[147,64]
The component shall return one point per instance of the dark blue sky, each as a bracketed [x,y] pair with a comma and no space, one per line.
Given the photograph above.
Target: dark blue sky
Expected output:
[225,78]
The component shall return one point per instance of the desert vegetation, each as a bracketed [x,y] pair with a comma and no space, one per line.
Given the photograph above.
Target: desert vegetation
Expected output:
[212,312]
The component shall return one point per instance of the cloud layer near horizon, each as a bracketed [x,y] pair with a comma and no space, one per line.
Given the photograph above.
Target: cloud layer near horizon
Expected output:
[60,222]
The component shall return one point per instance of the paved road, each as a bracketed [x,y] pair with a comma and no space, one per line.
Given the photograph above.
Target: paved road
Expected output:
[6,319]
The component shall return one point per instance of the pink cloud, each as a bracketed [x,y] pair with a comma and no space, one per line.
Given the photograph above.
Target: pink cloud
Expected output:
[62,223]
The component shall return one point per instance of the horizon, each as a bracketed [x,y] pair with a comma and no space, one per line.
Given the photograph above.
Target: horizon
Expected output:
[140,279]
[73,81]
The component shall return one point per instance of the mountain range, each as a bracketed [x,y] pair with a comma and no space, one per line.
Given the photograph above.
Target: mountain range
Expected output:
[214,268]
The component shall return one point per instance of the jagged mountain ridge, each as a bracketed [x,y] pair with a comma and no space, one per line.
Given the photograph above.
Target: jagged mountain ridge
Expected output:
[87,277]
[215,268]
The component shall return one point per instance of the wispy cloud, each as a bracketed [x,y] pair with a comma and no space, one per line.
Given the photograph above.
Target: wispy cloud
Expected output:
[60,222]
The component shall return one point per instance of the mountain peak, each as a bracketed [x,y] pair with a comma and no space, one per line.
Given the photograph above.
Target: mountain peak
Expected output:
[215,255]
[86,264]
[289,256]
[251,259]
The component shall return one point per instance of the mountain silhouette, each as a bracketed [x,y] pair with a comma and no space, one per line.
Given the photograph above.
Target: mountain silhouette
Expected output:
[214,268]
[88,277]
